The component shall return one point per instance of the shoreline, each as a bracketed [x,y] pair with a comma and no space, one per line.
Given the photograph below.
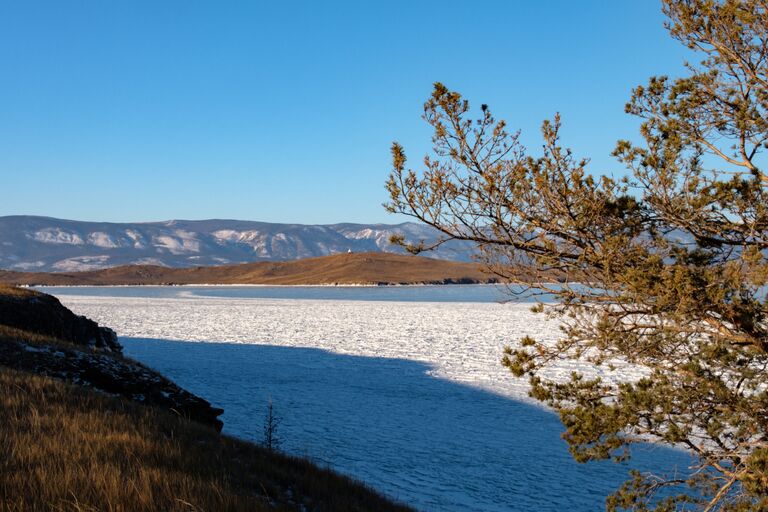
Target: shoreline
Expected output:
[251,285]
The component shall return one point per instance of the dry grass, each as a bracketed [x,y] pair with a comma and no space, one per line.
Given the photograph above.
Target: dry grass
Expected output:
[20,293]
[68,448]
[8,333]
[357,268]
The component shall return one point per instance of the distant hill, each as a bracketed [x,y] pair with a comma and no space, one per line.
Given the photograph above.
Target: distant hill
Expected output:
[356,268]
[45,244]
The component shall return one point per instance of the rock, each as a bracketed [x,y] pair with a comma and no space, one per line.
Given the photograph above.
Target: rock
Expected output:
[44,314]
[82,352]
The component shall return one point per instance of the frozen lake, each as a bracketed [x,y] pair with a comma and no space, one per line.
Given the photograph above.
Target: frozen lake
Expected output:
[401,387]
[426,293]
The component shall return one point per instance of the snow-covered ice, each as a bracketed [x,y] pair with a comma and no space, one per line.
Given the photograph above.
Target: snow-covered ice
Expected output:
[408,396]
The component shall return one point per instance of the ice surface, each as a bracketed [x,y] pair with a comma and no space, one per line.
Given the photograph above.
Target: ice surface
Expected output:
[461,342]
[407,396]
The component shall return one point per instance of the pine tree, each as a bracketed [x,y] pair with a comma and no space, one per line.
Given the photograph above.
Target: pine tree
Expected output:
[672,258]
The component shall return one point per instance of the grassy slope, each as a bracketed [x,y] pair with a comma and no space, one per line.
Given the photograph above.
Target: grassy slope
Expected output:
[66,447]
[357,268]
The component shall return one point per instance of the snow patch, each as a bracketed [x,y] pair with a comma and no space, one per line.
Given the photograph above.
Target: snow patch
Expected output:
[149,261]
[136,237]
[255,239]
[81,263]
[29,265]
[101,239]
[184,242]
[56,236]
[230,235]
[379,236]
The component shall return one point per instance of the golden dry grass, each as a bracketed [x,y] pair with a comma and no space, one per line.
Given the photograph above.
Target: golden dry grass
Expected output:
[357,268]
[32,338]
[68,448]
[21,293]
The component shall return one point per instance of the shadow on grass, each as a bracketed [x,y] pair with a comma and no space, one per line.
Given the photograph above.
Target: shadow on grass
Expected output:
[429,442]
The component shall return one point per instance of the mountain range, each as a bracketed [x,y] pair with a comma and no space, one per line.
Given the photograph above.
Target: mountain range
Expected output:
[45,244]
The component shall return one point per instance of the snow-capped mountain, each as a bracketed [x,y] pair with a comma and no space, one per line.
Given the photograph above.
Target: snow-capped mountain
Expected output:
[46,244]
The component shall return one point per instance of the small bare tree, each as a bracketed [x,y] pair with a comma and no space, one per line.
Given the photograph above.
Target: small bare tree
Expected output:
[271,423]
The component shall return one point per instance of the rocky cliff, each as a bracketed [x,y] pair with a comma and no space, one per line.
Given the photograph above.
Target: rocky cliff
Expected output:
[39,335]
[44,314]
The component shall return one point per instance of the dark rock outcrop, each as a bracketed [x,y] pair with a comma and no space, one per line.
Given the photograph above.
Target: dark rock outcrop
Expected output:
[43,314]
[113,375]
[48,339]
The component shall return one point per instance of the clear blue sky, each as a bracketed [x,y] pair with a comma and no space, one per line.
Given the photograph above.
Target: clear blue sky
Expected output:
[285,111]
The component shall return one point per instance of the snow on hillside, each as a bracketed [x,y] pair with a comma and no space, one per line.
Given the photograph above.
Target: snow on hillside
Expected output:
[100,239]
[48,244]
[80,263]
[56,236]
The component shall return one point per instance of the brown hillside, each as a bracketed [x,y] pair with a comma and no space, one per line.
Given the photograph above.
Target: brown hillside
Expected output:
[358,268]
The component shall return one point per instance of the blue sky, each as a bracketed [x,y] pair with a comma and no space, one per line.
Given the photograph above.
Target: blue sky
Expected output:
[285,111]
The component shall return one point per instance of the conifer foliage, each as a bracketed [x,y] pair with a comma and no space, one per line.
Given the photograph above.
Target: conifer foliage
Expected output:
[672,258]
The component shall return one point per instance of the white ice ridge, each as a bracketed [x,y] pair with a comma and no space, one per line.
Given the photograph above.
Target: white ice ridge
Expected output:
[461,342]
